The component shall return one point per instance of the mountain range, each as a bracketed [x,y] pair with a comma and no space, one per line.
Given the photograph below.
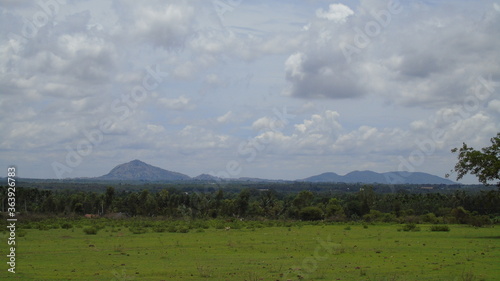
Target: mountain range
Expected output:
[384,178]
[137,170]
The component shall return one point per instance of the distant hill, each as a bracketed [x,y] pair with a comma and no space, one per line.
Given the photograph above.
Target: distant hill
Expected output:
[207,177]
[138,170]
[384,178]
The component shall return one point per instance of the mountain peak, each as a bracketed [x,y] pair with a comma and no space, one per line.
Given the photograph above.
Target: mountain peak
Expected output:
[138,170]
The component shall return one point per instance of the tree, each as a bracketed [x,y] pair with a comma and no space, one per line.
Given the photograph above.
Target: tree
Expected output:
[311,214]
[303,199]
[242,202]
[484,164]
[108,200]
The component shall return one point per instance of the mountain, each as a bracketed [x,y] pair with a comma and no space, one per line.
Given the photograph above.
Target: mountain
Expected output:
[384,178]
[207,177]
[325,177]
[138,170]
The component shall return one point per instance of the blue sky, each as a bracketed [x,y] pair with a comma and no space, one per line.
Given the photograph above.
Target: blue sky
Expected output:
[270,89]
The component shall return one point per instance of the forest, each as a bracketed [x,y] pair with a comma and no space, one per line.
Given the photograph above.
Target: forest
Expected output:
[264,201]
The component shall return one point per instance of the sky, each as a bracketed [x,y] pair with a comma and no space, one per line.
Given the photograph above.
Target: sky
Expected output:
[241,88]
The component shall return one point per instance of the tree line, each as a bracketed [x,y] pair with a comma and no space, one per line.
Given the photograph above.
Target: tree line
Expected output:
[460,206]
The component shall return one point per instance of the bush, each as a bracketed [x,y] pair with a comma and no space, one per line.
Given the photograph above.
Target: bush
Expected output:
[440,228]
[409,227]
[159,228]
[42,226]
[66,225]
[429,218]
[478,221]
[138,230]
[183,229]
[311,213]
[90,230]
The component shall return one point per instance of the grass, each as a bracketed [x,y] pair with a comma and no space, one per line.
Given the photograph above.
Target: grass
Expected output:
[287,251]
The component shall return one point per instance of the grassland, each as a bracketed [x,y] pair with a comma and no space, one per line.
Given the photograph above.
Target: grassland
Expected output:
[255,251]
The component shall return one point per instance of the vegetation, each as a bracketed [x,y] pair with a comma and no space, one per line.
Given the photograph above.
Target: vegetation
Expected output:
[484,163]
[252,250]
[257,232]
[440,228]
[259,202]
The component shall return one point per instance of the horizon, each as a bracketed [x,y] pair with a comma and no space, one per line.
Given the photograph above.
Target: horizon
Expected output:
[234,178]
[252,89]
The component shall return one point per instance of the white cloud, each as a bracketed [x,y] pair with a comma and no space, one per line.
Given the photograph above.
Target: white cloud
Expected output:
[180,103]
[81,66]
[168,25]
[293,66]
[225,118]
[394,62]
[193,138]
[336,12]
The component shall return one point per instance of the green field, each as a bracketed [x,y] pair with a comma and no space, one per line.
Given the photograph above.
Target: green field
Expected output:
[256,251]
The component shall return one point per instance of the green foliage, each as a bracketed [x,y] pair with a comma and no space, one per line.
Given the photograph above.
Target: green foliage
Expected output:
[43,226]
[66,225]
[90,230]
[409,227]
[159,228]
[484,164]
[331,202]
[311,213]
[479,221]
[429,218]
[183,229]
[138,230]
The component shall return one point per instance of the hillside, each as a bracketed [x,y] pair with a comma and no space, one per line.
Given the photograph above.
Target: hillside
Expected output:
[138,170]
[384,178]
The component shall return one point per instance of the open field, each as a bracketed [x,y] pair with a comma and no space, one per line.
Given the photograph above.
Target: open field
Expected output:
[255,251]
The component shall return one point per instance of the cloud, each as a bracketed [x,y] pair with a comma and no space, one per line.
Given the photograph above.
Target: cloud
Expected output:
[168,25]
[193,138]
[494,105]
[180,103]
[315,134]
[336,12]
[318,75]
[411,74]
[225,118]
[390,56]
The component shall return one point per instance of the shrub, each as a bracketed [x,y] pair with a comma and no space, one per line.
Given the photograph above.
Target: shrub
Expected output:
[311,213]
[479,221]
[138,230]
[42,226]
[90,230]
[440,228]
[410,227]
[183,229]
[66,225]
[159,228]
[429,218]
